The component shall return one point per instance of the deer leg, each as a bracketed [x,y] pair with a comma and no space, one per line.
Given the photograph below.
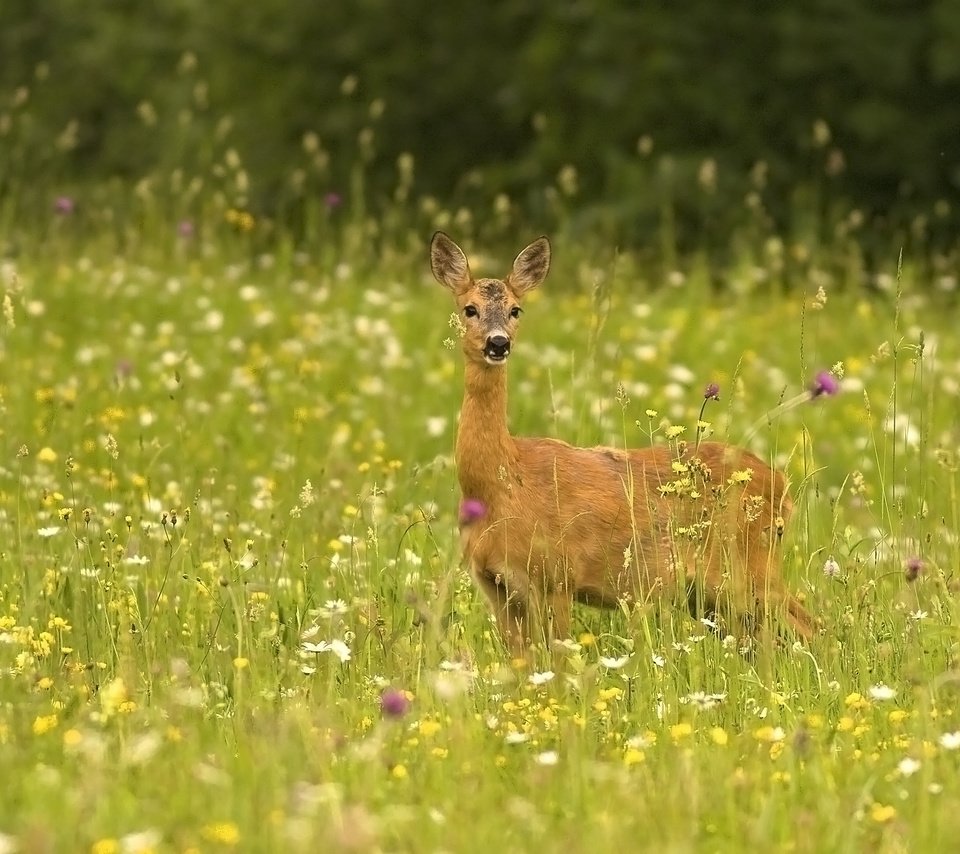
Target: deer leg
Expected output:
[510,612]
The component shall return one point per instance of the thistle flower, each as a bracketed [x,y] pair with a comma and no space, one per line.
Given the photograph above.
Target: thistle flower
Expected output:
[824,384]
[64,205]
[912,568]
[394,703]
[711,392]
[472,510]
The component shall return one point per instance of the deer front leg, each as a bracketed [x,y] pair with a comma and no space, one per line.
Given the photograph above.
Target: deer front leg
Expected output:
[511,613]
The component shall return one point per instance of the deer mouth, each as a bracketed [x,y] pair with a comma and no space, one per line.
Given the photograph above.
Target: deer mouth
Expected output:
[495,357]
[496,349]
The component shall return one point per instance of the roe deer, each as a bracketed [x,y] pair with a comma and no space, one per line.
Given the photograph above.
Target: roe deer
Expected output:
[544,523]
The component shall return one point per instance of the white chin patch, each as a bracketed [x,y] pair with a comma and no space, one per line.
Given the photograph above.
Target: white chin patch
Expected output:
[495,360]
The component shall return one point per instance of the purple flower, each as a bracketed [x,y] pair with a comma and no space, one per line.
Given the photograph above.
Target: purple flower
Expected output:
[711,392]
[64,205]
[332,200]
[912,568]
[394,703]
[186,229]
[471,510]
[831,569]
[824,383]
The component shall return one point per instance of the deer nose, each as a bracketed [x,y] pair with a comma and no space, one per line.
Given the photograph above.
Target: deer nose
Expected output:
[498,346]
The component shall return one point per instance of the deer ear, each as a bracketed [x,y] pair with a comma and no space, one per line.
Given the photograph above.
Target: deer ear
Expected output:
[448,263]
[531,266]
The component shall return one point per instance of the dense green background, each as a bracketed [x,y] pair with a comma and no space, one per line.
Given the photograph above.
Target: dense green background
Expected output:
[647,101]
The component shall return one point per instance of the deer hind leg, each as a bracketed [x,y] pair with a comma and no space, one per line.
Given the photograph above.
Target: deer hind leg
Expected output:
[509,608]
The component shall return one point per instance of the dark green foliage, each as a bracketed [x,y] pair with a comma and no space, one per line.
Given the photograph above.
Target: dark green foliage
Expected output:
[491,97]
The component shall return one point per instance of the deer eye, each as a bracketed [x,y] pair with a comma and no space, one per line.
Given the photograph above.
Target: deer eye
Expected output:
[471,311]
[515,311]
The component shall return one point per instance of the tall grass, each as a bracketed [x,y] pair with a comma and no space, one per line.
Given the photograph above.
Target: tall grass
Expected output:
[232,610]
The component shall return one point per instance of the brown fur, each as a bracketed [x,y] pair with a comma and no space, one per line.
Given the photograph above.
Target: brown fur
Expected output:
[600,525]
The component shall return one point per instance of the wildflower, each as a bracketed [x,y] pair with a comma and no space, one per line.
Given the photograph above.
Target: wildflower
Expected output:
[64,205]
[711,392]
[44,723]
[333,608]
[332,200]
[882,692]
[831,569]
[908,766]
[186,229]
[337,647]
[224,832]
[658,660]
[548,757]
[516,737]
[882,813]
[824,384]
[912,568]
[680,731]
[394,703]
[49,531]
[614,663]
[541,678]
[471,510]
[950,740]
[703,701]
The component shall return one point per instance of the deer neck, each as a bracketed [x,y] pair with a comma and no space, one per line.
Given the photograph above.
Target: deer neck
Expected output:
[486,453]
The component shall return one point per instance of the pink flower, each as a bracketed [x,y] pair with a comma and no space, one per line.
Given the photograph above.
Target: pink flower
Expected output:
[394,703]
[824,383]
[472,510]
[64,205]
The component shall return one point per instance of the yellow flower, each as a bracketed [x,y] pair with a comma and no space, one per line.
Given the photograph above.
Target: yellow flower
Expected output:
[429,728]
[587,639]
[47,455]
[399,772]
[42,724]
[72,737]
[719,735]
[882,813]
[856,701]
[898,715]
[224,832]
[240,663]
[633,757]
[680,731]
[105,846]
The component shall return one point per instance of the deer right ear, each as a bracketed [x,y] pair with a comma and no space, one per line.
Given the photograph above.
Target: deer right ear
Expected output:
[448,263]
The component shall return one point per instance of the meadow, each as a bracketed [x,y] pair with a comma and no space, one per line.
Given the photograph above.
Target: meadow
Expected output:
[232,609]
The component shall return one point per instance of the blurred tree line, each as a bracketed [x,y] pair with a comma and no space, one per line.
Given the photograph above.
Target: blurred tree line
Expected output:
[615,104]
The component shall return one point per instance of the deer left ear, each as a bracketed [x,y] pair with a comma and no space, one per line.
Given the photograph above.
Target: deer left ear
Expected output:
[531,266]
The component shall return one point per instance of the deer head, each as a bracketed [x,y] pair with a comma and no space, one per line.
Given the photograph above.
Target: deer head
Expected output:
[489,308]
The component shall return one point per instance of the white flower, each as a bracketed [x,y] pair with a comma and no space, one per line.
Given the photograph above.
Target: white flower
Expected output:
[49,531]
[710,624]
[882,692]
[144,840]
[950,740]
[333,608]
[337,647]
[831,569]
[614,663]
[658,660]
[638,742]
[919,615]
[548,757]
[516,737]
[541,678]
[908,766]
[136,560]
[704,702]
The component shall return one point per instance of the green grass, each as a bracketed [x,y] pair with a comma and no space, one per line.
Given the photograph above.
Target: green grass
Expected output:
[202,456]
